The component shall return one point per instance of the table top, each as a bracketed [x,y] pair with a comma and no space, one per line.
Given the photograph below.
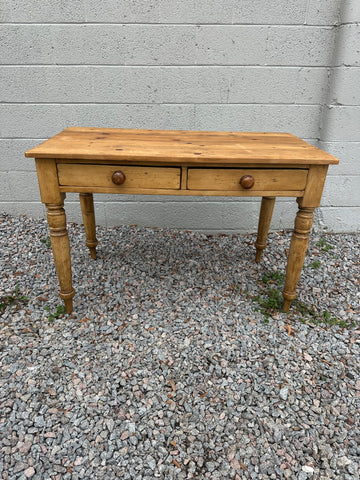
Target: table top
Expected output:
[172,146]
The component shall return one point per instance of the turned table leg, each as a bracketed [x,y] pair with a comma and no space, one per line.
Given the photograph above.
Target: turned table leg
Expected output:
[298,247]
[87,209]
[61,251]
[266,211]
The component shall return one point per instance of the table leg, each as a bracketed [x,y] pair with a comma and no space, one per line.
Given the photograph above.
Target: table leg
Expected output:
[298,247]
[266,211]
[61,251]
[87,209]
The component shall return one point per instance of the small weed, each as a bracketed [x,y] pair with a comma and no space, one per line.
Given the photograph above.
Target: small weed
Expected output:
[273,277]
[343,324]
[274,300]
[60,310]
[315,265]
[324,245]
[46,241]
[15,298]
[270,302]
[318,318]
[271,299]
[321,242]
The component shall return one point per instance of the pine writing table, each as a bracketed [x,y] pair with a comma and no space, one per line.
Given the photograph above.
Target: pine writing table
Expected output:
[241,164]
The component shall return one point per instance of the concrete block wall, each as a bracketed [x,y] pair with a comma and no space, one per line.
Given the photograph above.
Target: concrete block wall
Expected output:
[255,65]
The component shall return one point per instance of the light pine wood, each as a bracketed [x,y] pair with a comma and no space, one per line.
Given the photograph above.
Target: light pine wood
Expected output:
[183,185]
[48,181]
[314,185]
[54,201]
[183,163]
[171,146]
[61,251]
[303,223]
[88,215]
[135,177]
[266,211]
[163,162]
[229,179]
[297,252]
[179,192]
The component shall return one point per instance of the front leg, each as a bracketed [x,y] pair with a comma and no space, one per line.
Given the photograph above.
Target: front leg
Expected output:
[61,251]
[298,247]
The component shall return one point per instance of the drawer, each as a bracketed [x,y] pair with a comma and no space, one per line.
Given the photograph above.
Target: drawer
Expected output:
[262,179]
[134,177]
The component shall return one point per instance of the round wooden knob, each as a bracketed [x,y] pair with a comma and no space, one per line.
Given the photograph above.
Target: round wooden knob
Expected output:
[118,177]
[247,181]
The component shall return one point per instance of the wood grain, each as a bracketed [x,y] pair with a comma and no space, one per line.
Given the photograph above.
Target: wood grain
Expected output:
[135,176]
[88,214]
[297,252]
[48,181]
[164,162]
[61,251]
[185,193]
[170,146]
[315,185]
[229,179]
[266,211]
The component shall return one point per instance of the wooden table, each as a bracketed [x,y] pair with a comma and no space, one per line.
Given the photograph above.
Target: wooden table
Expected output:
[160,162]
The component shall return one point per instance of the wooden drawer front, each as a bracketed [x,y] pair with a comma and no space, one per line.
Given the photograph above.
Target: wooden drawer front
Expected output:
[228,179]
[135,177]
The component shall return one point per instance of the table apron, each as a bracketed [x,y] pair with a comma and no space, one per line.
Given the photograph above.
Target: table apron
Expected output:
[181,180]
[185,193]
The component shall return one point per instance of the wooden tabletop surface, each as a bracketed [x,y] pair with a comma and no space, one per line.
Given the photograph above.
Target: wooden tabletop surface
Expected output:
[172,146]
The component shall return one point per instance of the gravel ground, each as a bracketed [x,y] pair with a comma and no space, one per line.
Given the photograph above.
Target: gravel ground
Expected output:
[171,367]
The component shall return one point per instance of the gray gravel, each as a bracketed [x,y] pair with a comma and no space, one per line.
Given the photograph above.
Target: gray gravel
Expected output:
[168,369]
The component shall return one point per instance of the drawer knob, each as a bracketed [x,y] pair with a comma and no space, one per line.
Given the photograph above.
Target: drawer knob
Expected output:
[118,177]
[247,181]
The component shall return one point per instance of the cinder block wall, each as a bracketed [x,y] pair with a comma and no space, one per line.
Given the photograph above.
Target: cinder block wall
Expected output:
[264,65]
